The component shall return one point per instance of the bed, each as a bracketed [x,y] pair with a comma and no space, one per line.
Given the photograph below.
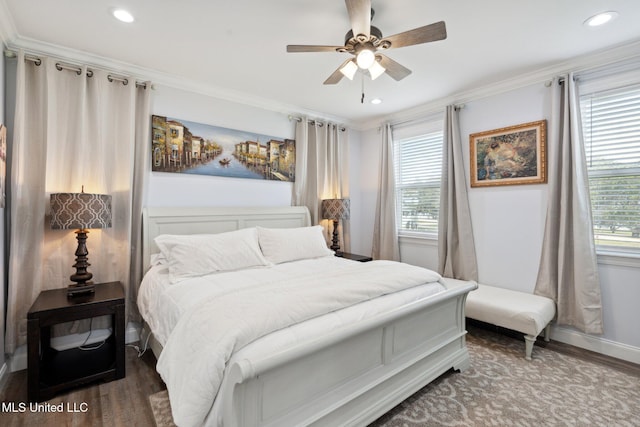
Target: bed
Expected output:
[396,329]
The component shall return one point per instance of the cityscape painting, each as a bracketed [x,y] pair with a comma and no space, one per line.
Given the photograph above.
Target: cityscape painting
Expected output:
[186,147]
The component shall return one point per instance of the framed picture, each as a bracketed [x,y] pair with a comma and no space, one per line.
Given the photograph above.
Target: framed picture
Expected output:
[509,156]
[187,147]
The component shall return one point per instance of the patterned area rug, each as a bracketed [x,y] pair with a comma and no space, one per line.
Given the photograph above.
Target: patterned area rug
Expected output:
[501,388]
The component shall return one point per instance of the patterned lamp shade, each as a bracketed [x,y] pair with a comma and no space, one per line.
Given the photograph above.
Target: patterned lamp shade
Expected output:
[335,209]
[80,211]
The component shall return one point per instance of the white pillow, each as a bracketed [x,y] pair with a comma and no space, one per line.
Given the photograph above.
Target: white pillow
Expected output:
[199,254]
[289,244]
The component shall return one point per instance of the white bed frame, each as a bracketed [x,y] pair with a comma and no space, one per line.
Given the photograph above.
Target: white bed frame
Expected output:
[348,377]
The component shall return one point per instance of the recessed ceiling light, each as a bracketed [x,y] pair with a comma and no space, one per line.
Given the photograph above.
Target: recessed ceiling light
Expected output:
[123,15]
[376,101]
[600,18]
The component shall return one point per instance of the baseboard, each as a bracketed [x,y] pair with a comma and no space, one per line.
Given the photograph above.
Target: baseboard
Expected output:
[596,344]
[132,334]
[18,360]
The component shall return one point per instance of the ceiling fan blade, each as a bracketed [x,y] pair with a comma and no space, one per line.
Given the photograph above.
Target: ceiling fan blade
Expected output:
[428,33]
[294,48]
[394,69]
[360,16]
[337,74]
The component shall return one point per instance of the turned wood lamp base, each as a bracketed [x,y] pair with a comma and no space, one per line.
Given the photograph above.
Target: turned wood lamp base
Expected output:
[74,291]
[335,241]
[82,277]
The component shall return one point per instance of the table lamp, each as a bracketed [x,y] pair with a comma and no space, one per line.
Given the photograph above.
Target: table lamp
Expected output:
[80,211]
[335,210]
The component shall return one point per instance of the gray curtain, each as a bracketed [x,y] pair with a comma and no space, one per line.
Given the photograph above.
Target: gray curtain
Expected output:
[385,231]
[141,174]
[456,248]
[568,267]
[322,172]
[305,187]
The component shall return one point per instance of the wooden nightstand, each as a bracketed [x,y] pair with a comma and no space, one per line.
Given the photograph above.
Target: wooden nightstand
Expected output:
[354,257]
[51,371]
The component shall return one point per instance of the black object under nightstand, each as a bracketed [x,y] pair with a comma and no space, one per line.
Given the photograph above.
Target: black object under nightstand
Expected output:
[354,257]
[51,371]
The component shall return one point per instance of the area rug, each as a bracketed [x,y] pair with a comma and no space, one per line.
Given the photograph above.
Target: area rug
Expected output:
[501,388]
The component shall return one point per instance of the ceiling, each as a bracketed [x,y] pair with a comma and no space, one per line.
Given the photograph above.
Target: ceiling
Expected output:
[239,46]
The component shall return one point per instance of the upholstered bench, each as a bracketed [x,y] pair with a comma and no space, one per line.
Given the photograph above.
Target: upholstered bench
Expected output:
[518,311]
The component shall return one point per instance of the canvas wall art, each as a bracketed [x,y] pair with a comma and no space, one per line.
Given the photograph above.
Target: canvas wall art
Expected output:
[508,156]
[187,147]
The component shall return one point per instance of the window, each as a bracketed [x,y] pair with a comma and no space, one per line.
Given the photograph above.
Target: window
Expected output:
[611,126]
[418,166]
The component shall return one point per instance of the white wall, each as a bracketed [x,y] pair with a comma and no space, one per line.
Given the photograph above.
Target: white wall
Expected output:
[508,225]
[620,295]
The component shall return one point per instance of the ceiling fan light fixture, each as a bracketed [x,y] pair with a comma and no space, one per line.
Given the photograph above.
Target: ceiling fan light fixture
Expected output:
[363,41]
[376,70]
[349,70]
[365,58]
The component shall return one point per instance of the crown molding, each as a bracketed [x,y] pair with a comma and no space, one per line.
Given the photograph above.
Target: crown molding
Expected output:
[159,78]
[623,52]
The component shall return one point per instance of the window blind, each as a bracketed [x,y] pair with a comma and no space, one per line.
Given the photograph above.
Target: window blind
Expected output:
[418,166]
[611,130]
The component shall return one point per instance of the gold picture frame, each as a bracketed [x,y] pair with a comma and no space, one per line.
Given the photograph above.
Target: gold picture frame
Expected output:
[511,155]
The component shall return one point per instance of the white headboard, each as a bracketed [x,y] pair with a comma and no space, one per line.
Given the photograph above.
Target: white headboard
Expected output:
[211,220]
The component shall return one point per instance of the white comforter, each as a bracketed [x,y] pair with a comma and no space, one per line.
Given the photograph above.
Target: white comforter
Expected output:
[197,349]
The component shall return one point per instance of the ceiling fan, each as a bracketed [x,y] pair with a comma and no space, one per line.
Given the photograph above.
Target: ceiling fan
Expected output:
[364,42]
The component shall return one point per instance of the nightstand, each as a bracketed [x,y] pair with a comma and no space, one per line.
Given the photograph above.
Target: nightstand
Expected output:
[51,371]
[354,257]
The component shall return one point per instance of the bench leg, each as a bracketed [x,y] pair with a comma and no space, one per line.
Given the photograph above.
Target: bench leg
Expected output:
[528,346]
[547,332]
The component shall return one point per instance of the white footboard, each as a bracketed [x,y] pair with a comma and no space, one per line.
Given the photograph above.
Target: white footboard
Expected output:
[355,376]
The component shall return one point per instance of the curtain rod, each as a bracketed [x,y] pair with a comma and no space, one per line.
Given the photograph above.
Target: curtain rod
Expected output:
[75,68]
[315,122]
[424,118]
[561,80]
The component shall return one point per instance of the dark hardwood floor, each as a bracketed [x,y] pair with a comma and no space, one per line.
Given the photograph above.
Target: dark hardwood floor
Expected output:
[117,403]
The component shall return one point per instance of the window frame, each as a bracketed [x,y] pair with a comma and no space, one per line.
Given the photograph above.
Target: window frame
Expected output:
[414,131]
[601,88]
